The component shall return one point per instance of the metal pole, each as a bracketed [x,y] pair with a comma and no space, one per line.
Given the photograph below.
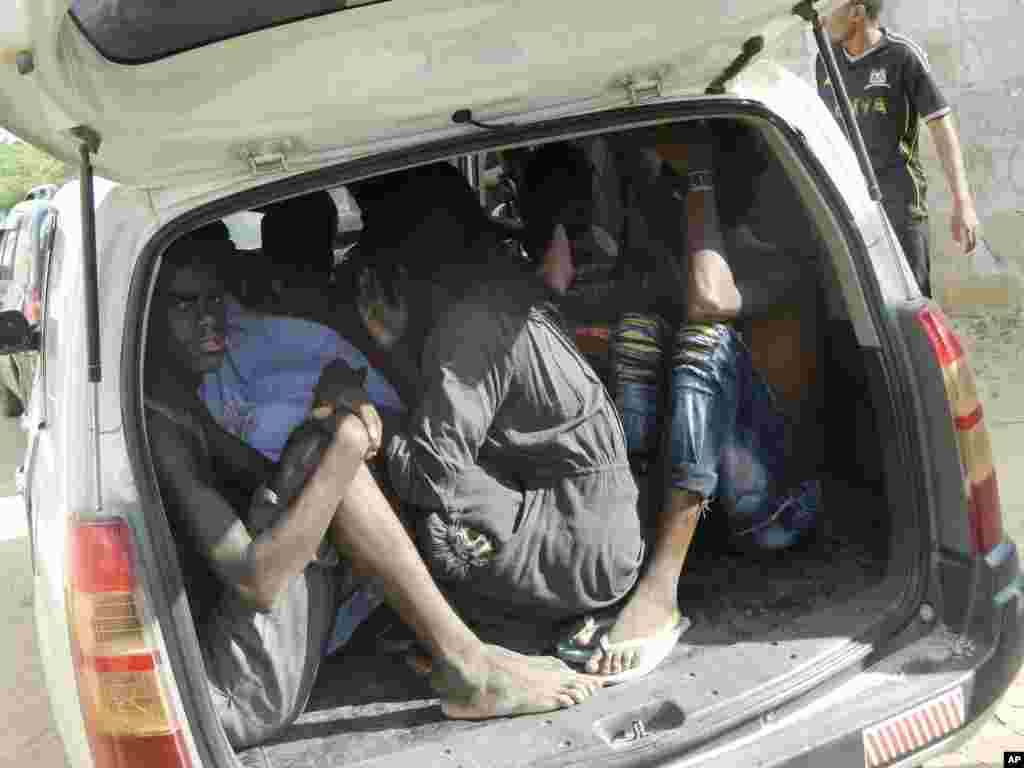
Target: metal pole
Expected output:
[90,143]
[468,166]
[478,174]
[843,100]
[92,318]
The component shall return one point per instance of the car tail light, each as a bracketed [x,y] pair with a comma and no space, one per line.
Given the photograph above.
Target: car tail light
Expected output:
[981,487]
[128,713]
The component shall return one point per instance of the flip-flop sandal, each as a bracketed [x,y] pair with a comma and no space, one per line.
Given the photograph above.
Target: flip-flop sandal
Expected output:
[592,636]
[581,643]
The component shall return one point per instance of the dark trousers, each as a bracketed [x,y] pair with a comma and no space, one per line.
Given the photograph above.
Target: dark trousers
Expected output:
[912,232]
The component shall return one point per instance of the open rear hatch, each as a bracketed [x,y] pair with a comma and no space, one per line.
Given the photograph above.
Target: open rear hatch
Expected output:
[189,91]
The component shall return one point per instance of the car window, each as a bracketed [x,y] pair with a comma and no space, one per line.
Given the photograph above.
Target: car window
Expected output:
[146,30]
[244,229]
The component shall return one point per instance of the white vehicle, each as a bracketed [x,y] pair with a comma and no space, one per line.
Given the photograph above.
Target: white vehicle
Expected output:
[888,640]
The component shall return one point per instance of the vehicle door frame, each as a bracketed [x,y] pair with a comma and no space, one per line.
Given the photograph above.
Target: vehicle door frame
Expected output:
[37,409]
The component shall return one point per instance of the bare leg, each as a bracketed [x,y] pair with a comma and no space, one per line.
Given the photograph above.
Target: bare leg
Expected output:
[654,602]
[474,680]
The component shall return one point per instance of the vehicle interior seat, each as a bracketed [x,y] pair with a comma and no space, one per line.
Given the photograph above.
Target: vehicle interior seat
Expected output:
[298,236]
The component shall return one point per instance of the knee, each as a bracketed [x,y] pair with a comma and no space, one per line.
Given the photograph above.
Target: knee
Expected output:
[707,351]
[639,339]
[351,436]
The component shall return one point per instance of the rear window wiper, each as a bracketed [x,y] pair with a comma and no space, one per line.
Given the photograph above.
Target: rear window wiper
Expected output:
[751,48]
[465,117]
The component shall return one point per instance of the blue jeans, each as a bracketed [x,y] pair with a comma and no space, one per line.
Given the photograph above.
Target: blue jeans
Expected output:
[726,437]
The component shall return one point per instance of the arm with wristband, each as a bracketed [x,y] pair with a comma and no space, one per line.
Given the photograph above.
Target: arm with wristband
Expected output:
[728,277]
[713,294]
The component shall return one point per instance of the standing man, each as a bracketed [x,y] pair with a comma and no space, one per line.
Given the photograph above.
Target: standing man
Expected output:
[891,90]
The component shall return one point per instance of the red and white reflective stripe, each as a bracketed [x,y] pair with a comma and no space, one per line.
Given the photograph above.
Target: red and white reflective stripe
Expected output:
[913,730]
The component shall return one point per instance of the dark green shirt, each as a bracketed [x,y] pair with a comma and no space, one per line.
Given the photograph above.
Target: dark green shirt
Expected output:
[892,90]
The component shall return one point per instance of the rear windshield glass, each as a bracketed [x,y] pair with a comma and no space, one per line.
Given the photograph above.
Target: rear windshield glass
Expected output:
[138,31]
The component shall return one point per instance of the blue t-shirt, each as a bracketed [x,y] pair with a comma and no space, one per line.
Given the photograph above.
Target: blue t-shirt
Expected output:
[264,388]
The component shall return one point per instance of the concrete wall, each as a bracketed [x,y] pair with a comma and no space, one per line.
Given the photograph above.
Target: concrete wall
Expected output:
[976,48]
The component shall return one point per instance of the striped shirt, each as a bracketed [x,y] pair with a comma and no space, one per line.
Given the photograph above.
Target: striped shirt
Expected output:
[892,90]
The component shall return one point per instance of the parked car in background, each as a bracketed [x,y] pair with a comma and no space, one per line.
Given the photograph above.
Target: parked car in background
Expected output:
[24,251]
[887,640]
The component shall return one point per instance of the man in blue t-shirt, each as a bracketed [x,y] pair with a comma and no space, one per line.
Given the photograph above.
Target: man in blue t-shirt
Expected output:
[892,90]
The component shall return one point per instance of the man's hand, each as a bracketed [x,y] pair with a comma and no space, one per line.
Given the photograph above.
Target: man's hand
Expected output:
[341,388]
[386,321]
[369,423]
[964,225]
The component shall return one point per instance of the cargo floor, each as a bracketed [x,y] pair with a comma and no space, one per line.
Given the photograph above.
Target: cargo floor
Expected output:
[369,705]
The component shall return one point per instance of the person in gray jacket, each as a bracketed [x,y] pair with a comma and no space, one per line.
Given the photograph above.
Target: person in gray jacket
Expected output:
[514,454]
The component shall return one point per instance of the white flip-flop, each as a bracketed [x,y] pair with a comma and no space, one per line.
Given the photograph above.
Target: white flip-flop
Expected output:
[654,649]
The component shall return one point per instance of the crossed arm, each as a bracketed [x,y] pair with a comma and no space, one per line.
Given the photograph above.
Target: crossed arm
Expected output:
[256,565]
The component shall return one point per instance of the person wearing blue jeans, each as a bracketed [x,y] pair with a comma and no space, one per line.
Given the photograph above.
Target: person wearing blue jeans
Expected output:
[726,437]
[699,277]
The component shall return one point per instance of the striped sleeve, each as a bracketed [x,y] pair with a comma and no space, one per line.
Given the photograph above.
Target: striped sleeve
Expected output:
[923,91]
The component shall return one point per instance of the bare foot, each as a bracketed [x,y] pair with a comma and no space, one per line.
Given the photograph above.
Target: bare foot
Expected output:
[646,614]
[500,683]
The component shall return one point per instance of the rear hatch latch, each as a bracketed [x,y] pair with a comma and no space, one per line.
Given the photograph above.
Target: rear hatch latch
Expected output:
[640,89]
[268,156]
[636,731]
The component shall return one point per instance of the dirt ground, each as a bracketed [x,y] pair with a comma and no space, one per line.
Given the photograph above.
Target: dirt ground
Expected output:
[994,343]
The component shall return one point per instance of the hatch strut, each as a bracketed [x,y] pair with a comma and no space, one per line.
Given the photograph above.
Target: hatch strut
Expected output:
[89,144]
[751,48]
[807,12]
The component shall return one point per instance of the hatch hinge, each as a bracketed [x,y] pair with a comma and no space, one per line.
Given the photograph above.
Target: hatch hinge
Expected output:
[268,156]
[641,89]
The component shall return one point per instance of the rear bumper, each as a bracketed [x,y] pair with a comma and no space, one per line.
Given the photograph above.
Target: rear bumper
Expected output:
[976,668]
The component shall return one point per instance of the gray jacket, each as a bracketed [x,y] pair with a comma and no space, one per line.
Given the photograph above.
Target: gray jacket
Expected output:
[517,438]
